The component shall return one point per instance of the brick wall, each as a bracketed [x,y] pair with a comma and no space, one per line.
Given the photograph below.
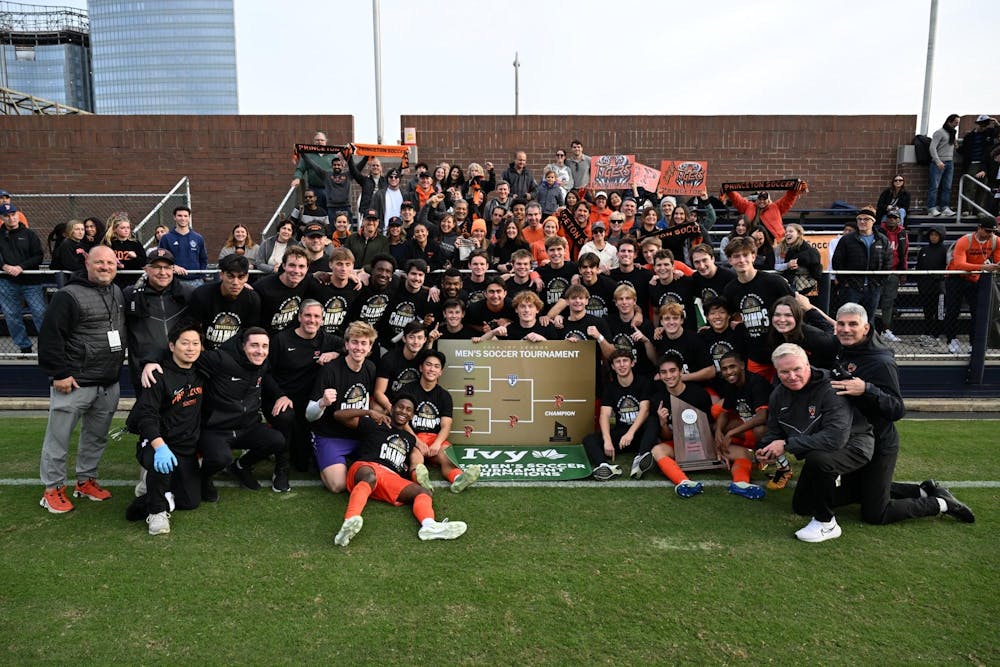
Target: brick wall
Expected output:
[240,166]
[843,157]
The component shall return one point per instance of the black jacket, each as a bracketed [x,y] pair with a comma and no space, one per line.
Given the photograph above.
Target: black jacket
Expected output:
[882,403]
[369,186]
[853,255]
[233,390]
[20,247]
[74,338]
[815,418]
[170,409]
[150,316]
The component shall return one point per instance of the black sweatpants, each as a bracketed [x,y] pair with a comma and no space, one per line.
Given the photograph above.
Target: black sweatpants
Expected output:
[594,445]
[882,501]
[815,492]
[294,427]
[258,441]
[184,481]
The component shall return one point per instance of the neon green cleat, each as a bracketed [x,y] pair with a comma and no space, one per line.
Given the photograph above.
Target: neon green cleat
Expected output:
[442,530]
[466,479]
[350,528]
[423,477]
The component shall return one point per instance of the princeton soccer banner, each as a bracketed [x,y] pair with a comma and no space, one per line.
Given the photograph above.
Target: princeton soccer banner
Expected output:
[401,153]
[772,184]
[821,241]
[520,393]
[684,178]
[645,177]
[509,464]
[611,172]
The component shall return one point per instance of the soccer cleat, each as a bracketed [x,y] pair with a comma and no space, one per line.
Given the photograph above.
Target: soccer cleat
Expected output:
[351,527]
[423,477]
[279,481]
[957,509]
[933,212]
[641,465]
[55,500]
[889,336]
[616,471]
[819,531]
[91,489]
[688,488]
[747,490]
[442,530]
[465,480]
[209,493]
[955,347]
[244,475]
[603,472]
[159,523]
[779,479]
[947,211]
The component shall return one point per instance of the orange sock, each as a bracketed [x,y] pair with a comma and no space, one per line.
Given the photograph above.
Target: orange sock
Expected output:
[671,470]
[359,498]
[453,475]
[423,508]
[741,470]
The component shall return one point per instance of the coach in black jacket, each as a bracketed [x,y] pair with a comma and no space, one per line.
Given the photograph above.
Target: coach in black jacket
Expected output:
[231,418]
[867,372]
[807,418]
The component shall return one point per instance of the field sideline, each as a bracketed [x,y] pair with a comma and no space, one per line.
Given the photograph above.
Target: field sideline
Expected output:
[548,574]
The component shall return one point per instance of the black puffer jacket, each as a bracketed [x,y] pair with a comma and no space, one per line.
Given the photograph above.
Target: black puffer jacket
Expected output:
[815,418]
[853,255]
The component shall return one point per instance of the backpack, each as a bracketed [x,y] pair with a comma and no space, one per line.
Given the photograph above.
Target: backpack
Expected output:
[951,248]
[922,147]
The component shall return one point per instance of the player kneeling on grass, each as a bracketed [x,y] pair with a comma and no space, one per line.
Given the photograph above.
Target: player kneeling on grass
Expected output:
[167,418]
[626,397]
[431,422]
[743,421]
[382,460]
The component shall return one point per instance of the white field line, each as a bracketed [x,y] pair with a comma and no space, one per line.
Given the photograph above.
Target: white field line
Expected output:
[569,484]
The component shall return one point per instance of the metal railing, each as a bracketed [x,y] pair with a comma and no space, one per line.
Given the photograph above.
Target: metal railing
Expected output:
[283,211]
[140,230]
[970,182]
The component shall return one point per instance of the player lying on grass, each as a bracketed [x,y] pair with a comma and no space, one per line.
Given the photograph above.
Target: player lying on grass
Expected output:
[431,423]
[381,461]
[167,418]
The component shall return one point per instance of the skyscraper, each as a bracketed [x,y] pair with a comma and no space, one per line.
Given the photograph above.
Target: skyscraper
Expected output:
[164,57]
[45,52]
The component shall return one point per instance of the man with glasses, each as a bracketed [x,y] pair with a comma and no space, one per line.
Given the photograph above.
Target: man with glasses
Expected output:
[387,203]
[864,250]
[563,174]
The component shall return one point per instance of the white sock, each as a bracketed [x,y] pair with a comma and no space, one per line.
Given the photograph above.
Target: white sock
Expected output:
[943,505]
[427,522]
[829,524]
[923,494]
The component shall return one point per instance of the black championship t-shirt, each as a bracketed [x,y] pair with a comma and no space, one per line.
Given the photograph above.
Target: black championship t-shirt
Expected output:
[689,347]
[396,368]
[754,300]
[711,288]
[223,318]
[555,281]
[337,303]
[638,279]
[719,344]
[429,407]
[354,391]
[745,401]
[625,401]
[602,297]
[385,445]
[279,304]
[680,290]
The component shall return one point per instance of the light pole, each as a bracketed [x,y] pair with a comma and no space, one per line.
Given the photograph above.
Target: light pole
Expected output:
[517,66]
[929,71]
[378,68]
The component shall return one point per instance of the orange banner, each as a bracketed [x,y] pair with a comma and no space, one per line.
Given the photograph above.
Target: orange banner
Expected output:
[821,241]
[645,177]
[611,172]
[686,178]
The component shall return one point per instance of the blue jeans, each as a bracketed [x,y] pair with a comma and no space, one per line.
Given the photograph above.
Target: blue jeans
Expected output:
[939,192]
[11,296]
[867,298]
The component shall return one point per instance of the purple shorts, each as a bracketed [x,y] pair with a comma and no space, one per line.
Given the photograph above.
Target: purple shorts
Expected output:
[331,451]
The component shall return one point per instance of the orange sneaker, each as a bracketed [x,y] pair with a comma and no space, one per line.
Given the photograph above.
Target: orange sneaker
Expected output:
[91,489]
[55,500]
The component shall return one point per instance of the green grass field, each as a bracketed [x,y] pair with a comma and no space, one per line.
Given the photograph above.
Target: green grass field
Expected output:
[552,575]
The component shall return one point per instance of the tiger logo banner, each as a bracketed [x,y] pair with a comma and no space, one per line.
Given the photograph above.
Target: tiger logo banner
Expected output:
[611,172]
[686,178]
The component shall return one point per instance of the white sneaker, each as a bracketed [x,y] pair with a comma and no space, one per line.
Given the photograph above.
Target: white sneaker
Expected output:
[818,531]
[934,212]
[350,528]
[955,347]
[442,530]
[603,472]
[946,211]
[889,336]
[159,523]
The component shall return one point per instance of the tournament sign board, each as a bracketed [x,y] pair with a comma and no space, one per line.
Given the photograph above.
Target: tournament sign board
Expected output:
[520,393]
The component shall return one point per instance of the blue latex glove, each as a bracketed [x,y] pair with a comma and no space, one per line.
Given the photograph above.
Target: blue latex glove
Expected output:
[163,459]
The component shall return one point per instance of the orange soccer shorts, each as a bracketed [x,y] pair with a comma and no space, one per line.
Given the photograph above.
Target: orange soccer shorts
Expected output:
[388,484]
[429,438]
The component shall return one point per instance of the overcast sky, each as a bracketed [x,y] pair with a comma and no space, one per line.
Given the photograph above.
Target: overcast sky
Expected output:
[623,57]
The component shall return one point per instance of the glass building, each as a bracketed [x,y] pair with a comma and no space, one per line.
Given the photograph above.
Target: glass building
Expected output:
[45,52]
[164,56]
